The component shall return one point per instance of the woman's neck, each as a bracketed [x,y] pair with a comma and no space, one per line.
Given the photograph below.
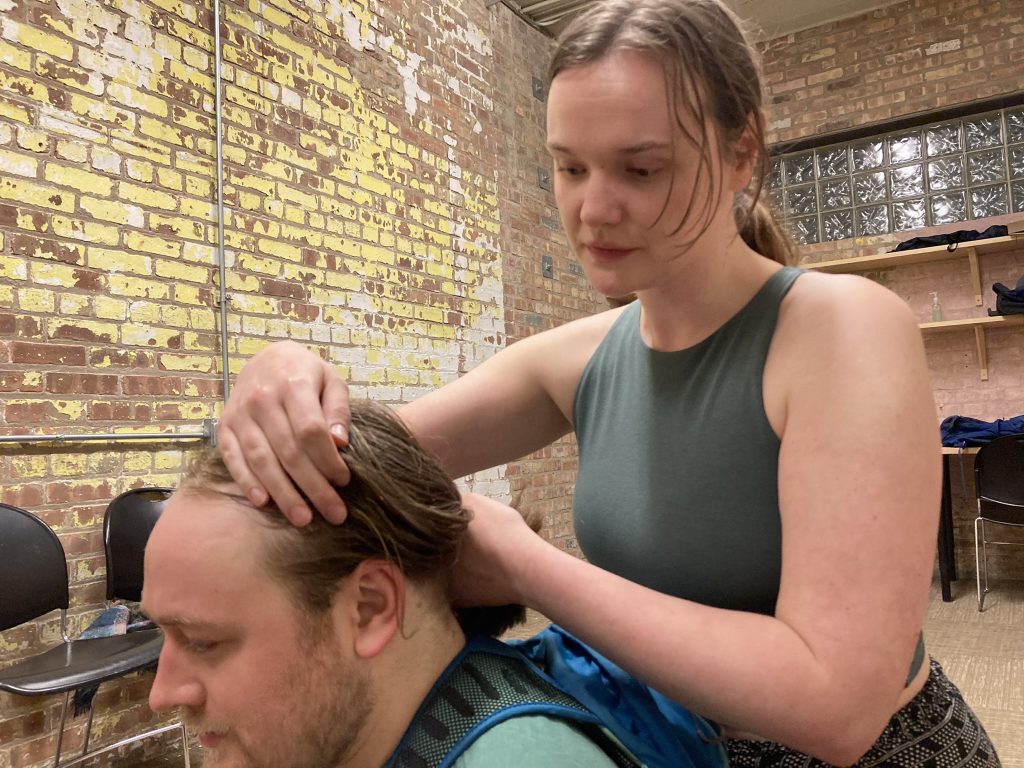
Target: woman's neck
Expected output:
[709,288]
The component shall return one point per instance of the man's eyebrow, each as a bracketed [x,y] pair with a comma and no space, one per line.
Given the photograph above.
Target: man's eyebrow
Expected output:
[633,149]
[183,622]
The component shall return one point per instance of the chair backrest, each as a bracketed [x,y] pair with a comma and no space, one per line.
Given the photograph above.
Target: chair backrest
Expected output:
[33,569]
[999,479]
[128,521]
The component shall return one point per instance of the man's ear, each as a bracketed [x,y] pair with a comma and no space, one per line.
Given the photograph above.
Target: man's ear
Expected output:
[378,600]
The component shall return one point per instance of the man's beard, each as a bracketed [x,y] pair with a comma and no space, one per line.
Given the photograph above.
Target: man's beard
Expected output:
[328,709]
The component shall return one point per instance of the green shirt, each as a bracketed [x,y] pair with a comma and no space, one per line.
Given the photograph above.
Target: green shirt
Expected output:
[534,741]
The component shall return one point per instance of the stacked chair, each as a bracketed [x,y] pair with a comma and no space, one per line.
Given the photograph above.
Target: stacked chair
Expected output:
[34,582]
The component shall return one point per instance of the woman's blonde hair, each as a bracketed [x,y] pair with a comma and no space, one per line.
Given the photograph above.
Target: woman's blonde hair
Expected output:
[711,73]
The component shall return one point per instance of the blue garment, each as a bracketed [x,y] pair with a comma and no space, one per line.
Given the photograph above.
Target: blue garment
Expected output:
[660,732]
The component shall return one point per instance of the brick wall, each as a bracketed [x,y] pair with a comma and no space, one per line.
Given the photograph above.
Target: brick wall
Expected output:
[380,168]
[912,58]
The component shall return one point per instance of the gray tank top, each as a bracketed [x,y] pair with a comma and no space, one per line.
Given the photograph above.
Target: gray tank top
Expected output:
[678,481]
[677,488]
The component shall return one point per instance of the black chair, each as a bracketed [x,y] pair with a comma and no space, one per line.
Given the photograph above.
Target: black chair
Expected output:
[127,523]
[999,484]
[34,582]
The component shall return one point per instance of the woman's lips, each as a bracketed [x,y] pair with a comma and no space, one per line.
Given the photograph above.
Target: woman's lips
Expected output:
[606,253]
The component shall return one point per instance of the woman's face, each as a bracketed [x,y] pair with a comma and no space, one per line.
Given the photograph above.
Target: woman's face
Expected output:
[625,174]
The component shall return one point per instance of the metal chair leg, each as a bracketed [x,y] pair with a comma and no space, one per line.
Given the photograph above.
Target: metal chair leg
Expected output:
[184,745]
[60,730]
[88,730]
[981,560]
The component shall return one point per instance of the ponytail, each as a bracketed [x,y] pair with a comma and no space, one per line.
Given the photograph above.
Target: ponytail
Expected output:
[761,231]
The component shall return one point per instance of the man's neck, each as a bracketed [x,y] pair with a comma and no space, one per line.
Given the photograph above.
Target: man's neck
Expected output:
[402,679]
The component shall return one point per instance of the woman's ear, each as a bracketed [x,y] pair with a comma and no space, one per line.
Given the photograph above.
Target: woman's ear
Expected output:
[376,603]
[746,151]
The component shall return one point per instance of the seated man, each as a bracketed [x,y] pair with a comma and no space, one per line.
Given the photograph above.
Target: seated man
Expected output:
[330,646]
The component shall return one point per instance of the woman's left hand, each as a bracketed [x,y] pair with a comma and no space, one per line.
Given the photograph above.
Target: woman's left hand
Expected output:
[494,555]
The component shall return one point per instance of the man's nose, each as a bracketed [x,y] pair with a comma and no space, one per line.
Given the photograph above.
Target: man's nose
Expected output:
[175,686]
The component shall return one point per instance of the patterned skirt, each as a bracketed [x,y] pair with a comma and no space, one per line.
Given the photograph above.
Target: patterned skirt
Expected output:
[936,729]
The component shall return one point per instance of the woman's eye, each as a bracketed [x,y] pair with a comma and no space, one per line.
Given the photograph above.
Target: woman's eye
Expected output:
[570,170]
[643,173]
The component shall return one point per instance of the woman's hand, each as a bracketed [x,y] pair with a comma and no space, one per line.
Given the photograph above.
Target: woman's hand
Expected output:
[494,555]
[281,428]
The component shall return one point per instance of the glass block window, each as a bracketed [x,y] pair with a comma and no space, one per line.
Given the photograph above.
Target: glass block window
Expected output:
[949,171]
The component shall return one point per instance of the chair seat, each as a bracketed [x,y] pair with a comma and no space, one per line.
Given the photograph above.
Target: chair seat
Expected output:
[82,663]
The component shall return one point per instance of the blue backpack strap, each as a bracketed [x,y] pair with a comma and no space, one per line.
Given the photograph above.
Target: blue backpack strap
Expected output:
[486,684]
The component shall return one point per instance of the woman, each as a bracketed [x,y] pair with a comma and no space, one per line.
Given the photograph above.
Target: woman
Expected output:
[756,551]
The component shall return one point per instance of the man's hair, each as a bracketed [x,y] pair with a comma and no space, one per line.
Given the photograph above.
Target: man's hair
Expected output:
[402,508]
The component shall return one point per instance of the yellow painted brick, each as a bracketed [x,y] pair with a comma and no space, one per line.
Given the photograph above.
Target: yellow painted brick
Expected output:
[88,231]
[279,249]
[7,296]
[47,273]
[28,466]
[137,335]
[169,460]
[36,39]
[198,187]
[68,465]
[72,409]
[295,215]
[174,316]
[137,462]
[119,261]
[18,163]
[129,143]
[292,195]
[199,363]
[198,253]
[13,268]
[344,282]
[170,179]
[188,294]
[15,58]
[202,319]
[83,181]
[135,287]
[106,332]
[144,312]
[159,246]
[31,193]
[75,304]
[139,170]
[200,209]
[109,308]
[262,266]
[144,196]
[37,300]
[130,96]
[259,305]
[113,211]
[197,342]
[239,282]
[178,271]
[163,131]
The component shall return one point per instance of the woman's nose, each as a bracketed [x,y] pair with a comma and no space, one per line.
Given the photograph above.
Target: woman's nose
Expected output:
[601,205]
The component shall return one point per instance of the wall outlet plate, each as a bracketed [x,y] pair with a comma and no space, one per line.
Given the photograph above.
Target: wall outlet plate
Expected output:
[547,266]
[538,89]
[544,179]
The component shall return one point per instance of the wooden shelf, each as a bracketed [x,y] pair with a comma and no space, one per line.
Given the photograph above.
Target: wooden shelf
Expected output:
[971,249]
[979,324]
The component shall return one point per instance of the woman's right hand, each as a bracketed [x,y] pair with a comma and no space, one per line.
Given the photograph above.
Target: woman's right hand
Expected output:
[282,426]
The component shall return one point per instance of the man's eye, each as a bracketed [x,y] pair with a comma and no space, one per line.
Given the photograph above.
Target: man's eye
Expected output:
[569,170]
[201,646]
[643,173]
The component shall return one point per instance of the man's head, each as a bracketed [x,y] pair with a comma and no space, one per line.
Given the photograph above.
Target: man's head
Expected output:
[282,641]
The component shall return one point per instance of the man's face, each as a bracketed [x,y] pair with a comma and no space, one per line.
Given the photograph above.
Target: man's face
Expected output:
[264,685]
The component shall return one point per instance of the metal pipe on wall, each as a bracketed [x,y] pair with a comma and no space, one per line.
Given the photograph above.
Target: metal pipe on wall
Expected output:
[112,437]
[222,298]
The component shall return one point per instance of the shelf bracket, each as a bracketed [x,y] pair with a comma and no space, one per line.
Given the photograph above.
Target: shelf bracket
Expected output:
[979,337]
[972,257]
